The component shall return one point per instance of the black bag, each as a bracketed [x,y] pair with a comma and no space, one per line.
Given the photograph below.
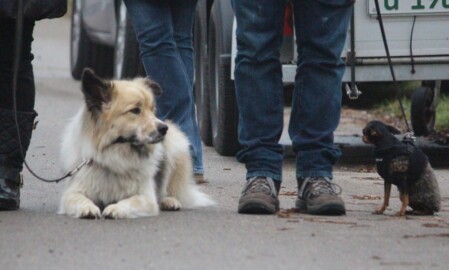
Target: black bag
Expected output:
[33,9]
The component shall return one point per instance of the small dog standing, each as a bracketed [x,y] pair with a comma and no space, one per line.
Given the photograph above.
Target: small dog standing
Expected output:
[135,164]
[404,165]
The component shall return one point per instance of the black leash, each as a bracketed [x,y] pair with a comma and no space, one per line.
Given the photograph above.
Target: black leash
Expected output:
[413,71]
[16,64]
[384,38]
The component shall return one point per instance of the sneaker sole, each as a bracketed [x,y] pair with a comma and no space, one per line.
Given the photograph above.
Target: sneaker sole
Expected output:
[328,209]
[259,207]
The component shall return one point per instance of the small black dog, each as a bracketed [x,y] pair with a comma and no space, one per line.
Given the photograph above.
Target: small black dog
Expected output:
[404,165]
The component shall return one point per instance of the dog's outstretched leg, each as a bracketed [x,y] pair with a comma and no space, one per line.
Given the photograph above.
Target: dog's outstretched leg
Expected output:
[79,206]
[387,192]
[133,207]
[170,204]
[405,200]
[181,186]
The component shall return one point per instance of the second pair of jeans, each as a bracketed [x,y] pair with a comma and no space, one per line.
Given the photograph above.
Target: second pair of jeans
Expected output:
[164,32]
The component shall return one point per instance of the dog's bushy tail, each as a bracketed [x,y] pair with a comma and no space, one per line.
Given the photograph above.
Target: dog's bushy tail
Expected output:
[193,197]
[190,195]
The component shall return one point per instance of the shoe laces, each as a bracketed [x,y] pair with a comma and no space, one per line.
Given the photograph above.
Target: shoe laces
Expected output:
[259,184]
[315,186]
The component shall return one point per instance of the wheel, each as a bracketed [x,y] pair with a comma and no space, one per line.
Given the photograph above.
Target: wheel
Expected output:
[223,107]
[127,61]
[201,73]
[83,52]
[423,111]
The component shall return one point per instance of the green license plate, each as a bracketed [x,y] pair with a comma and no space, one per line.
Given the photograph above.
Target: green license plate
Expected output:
[409,7]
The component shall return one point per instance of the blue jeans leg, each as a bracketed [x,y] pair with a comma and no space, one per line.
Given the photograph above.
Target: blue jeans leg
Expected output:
[259,87]
[321,32]
[164,31]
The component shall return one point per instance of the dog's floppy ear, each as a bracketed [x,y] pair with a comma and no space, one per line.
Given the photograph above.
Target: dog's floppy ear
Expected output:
[97,91]
[393,130]
[154,86]
[157,90]
[374,129]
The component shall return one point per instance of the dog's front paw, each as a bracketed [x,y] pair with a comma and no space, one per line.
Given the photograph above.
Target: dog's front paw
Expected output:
[79,206]
[133,207]
[88,211]
[114,211]
[378,212]
[170,204]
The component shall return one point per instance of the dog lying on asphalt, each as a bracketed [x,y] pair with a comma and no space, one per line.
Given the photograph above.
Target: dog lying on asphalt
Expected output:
[135,164]
[404,165]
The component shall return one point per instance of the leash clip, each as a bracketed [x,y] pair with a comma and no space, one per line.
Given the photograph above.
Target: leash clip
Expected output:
[410,136]
[81,165]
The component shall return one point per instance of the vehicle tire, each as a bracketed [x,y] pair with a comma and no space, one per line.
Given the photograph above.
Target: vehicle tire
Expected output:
[223,107]
[201,73]
[423,111]
[83,52]
[127,61]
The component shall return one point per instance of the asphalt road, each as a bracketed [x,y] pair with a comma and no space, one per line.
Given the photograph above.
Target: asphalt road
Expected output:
[35,237]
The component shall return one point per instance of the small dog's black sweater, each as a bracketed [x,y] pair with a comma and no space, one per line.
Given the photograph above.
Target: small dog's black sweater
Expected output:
[402,164]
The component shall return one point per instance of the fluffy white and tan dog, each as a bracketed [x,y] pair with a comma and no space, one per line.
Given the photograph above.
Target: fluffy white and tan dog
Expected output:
[135,164]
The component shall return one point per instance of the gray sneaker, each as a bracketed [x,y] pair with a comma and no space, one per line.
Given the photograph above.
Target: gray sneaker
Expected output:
[317,196]
[259,196]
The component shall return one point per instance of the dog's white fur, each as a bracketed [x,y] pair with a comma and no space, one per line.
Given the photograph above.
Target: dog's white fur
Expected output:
[127,179]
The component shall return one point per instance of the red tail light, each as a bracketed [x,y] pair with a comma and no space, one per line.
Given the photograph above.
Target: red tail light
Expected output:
[288,20]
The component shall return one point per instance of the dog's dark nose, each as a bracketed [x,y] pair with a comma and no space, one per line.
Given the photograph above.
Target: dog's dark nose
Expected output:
[162,128]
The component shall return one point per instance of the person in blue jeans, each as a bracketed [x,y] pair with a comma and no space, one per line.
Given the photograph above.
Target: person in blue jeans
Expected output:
[164,31]
[321,27]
